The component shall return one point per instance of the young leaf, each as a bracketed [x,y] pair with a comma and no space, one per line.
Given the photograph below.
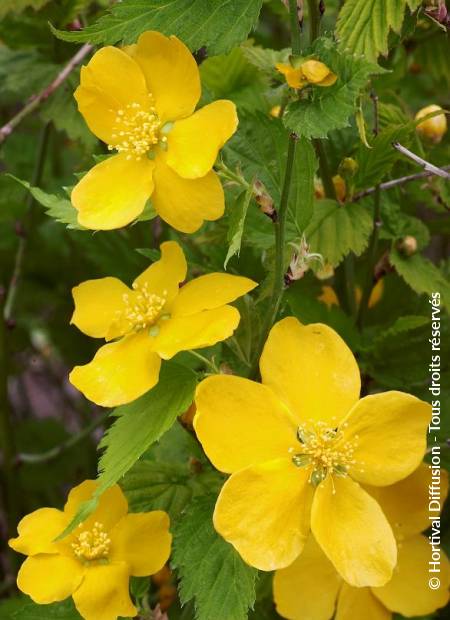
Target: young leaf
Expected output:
[330,107]
[57,207]
[363,25]
[138,425]
[210,569]
[335,230]
[216,25]
[55,611]
[421,275]
[237,221]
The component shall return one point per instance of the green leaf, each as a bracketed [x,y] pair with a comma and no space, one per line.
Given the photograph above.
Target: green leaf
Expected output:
[209,567]
[265,59]
[218,25]
[330,107]
[302,187]
[363,25]
[402,325]
[17,6]
[335,230]
[137,426]
[376,162]
[56,207]
[397,224]
[24,72]
[56,611]
[236,223]
[421,275]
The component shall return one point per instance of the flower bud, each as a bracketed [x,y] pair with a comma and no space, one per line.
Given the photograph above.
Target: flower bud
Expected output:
[348,168]
[264,200]
[275,111]
[408,245]
[432,128]
[340,187]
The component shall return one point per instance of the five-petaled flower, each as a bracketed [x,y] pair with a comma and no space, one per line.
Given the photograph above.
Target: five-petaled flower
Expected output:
[153,320]
[311,588]
[301,73]
[140,101]
[94,563]
[300,445]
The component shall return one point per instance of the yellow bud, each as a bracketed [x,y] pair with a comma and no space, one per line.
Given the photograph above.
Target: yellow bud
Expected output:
[275,111]
[318,189]
[318,73]
[348,167]
[325,272]
[432,128]
[294,77]
[407,245]
[339,187]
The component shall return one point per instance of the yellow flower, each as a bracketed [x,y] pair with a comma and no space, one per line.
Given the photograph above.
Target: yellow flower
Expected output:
[95,562]
[309,72]
[300,445]
[153,320]
[140,101]
[311,588]
[433,128]
[329,298]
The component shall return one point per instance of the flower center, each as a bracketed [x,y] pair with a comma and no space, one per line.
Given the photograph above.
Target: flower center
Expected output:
[142,308]
[324,450]
[93,544]
[136,131]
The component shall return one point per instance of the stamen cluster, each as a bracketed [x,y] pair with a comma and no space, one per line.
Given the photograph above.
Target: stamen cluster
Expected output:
[142,308]
[135,130]
[92,544]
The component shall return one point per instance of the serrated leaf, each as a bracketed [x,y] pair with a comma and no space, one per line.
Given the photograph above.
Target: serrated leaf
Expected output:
[335,230]
[55,611]
[421,275]
[56,207]
[376,162]
[218,25]
[138,425]
[24,72]
[330,107]
[402,325]
[236,223]
[397,224]
[363,25]
[265,59]
[211,570]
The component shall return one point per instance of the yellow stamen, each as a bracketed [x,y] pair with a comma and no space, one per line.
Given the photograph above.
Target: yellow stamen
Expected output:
[142,308]
[93,544]
[135,131]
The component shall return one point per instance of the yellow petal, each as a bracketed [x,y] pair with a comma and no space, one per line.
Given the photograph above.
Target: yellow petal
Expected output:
[185,203]
[360,603]
[104,593]
[113,193]
[120,371]
[97,304]
[389,434]
[49,578]
[193,143]
[405,503]
[314,71]
[109,82]
[329,80]
[196,331]
[171,73]
[409,592]
[308,588]
[311,369]
[294,77]
[112,506]
[165,274]
[210,291]
[352,530]
[38,530]
[263,511]
[142,541]
[241,423]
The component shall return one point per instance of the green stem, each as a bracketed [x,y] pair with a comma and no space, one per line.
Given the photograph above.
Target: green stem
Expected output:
[205,360]
[280,238]
[372,258]
[296,41]
[26,227]
[314,20]
[44,457]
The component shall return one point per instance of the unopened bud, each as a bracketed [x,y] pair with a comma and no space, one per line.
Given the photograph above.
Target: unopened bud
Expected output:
[348,168]
[301,261]
[407,245]
[340,187]
[275,111]
[264,200]
[432,128]
[326,272]
[187,418]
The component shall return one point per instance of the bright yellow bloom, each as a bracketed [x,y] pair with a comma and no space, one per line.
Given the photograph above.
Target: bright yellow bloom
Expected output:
[433,128]
[140,101]
[300,445]
[309,72]
[95,562]
[311,588]
[153,320]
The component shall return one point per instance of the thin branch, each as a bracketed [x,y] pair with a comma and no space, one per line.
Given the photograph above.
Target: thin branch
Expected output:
[394,182]
[36,100]
[44,457]
[421,162]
